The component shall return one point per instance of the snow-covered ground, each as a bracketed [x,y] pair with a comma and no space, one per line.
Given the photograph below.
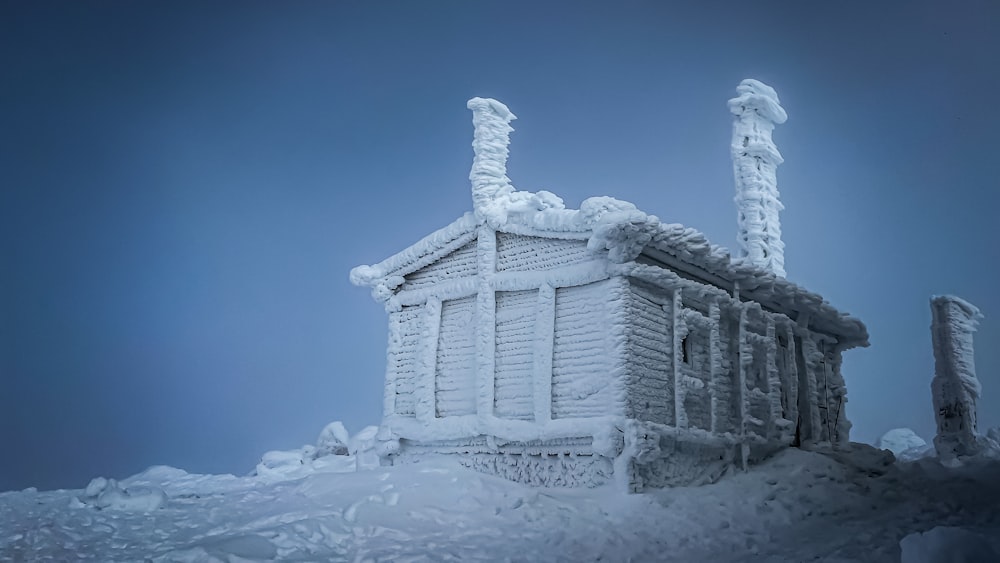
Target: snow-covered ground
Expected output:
[312,505]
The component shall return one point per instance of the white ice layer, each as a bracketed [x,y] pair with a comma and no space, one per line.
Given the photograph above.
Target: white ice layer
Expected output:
[755,162]
[955,387]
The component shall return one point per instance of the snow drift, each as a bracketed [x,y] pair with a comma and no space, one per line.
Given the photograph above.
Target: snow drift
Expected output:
[846,504]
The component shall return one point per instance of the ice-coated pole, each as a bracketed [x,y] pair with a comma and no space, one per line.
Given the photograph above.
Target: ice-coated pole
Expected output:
[955,387]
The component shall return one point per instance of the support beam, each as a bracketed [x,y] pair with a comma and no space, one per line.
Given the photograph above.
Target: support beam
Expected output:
[485,319]
[679,332]
[715,362]
[773,379]
[542,366]
[745,358]
[424,406]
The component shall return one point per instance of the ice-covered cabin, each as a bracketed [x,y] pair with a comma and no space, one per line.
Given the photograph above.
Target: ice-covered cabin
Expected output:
[570,347]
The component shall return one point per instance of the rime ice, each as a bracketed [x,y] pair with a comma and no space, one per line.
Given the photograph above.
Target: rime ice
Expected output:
[574,347]
[955,387]
[755,161]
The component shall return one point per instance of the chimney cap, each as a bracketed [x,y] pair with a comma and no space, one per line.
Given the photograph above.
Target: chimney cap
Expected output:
[498,107]
[755,95]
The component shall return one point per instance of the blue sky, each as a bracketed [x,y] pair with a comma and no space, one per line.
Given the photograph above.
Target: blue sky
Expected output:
[184,187]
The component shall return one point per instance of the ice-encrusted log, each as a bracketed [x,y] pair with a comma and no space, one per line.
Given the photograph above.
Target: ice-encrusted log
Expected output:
[490,184]
[715,367]
[755,162]
[955,387]
[679,330]
[745,358]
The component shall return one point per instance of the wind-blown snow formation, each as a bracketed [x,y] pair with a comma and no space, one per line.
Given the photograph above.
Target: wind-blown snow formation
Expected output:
[955,387]
[755,161]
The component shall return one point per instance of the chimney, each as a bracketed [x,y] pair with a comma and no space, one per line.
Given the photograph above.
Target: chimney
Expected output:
[755,161]
[491,120]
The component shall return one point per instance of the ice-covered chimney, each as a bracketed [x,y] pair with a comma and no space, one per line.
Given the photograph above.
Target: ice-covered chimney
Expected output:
[490,183]
[955,387]
[755,161]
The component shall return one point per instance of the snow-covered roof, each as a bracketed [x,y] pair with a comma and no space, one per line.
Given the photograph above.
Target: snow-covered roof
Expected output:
[624,232]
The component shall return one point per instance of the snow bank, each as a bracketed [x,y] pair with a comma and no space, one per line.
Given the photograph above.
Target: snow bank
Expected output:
[843,504]
[943,544]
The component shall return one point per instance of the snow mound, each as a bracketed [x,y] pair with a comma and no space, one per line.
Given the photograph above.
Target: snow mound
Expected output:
[899,440]
[943,544]
[335,452]
[333,440]
[104,493]
[905,444]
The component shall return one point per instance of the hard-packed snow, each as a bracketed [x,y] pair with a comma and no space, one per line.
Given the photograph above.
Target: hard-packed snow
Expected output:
[847,504]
